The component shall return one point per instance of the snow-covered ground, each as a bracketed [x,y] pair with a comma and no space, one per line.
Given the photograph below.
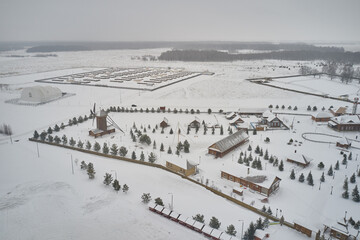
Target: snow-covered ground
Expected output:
[40,198]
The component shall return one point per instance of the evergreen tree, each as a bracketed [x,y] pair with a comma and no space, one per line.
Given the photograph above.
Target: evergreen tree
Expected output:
[146,197]
[214,223]
[70,122]
[49,131]
[309,179]
[152,157]
[186,146]
[254,164]
[350,156]
[57,139]
[330,172]
[88,145]
[271,159]
[154,145]
[266,223]
[105,149]
[322,178]
[301,178]
[107,179]
[123,151]
[91,171]
[257,149]
[50,138]
[199,218]
[74,121]
[116,185]
[169,150]
[162,147]
[269,211]
[142,156]
[292,175]
[97,147]
[80,144]
[353,178]
[159,201]
[179,146]
[251,230]
[281,166]
[212,130]
[133,155]
[36,135]
[114,149]
[188,130]
[43,135]
[83,165]
[231,230]
[205,129]
[221,130]
[321,165]
[145,139]
[259,165]
[266,156]
[344,161]
[56,128]
[346,184]
[355,194]
[263,209]
[276,162]
[261,152]
[267,140]
[171,131]
[249,148]
[62,126]
[259,224]
[125,188]
[64,139]
[240,161]
[345,194]
[72,142]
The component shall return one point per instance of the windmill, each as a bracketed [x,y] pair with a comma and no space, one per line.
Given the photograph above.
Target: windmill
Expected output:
[104,123]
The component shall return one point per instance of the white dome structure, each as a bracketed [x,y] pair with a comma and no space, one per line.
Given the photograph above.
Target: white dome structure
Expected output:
[40,94]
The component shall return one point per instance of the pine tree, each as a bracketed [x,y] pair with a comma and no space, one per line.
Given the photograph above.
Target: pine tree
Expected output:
[188,130]
[346,184]
[266,156]
[205,129]
[62,126]
[221,130]
[159,201]
[321,165]
[180,146]
[330,172]
[171,131]
[49,131]
[344,161]
[322,178]
[83,165]
[350,156]
[123,151]
[88,145]
[269,211]
[353,178]
[107,179]
[162,147]
[281,166]
[125,188]
[72,142]
[133,155]
[259,165]
[231,230]
[80,144]
[309,179]
[43,135]
[154,145]
[50,138]
[240,161]
[199,218]
[91,171]
[257,149]
[169,150]
[345,194]
[142,156]
[266,223]
[212,130]
[259,224]
[96,147]
[271,159]
[276,162]
[116,185]
[56,128]
[292,175]
[114,149]
[105,149]
[355,194]
[152,157]
[64,139]
[57,139]
[301,178]
[146,197]
[144,139]
[261,152]
[263,209]
[251,230]
[186,146]
[36,135]
[249,148]
[254,164]
[214,223]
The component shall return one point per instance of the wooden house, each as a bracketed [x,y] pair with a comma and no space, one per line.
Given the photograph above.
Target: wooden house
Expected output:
[236,120]
[230,115]
[194,124]
[272,121]
[343,143]
[321,117]
[226,145]
[339,112]
[238,191]
[343,230]
[345,123]
[164,123]
[181,166]
[299,159]
[258,181]
[300,227]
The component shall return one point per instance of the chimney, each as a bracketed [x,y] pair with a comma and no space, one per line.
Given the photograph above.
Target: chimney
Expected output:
[248,171]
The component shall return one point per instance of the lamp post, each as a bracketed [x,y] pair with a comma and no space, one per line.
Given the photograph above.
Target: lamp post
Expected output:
[172,201]
[242,228]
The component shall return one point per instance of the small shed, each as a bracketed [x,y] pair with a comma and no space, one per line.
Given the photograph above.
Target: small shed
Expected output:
[238,191]
[181,165]
[299,159]
[164,123]
[194,124]
[343,143]
[236,120]
[321,117]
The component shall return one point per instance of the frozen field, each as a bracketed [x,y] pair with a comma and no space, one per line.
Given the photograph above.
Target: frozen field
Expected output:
[41,199]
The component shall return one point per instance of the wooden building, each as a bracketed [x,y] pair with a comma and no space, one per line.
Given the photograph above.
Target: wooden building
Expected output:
[164,123]
[236,120]
[230,115]
[339,112]
[345,123]
[301,228]
[182,166]
[226,145]
[343,143]
[322,117]
[258,181]
[194,124]
[272,121]
[101,125]
[299,159]
[343,230]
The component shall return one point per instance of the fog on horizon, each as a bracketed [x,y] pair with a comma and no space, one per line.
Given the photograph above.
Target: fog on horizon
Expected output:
[161,20]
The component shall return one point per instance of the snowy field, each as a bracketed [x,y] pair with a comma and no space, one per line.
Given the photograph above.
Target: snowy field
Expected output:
[319,85]
[40,198]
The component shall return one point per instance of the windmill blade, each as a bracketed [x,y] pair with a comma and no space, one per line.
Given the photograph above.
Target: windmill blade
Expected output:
[113,123]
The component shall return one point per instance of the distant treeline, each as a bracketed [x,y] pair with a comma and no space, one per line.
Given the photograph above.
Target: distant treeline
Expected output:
[301,55]
[228,46]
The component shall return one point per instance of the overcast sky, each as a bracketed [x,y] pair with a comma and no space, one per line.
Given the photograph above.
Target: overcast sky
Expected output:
[180,20]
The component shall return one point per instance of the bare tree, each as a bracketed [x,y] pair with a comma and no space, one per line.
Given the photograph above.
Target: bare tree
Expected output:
[347,73]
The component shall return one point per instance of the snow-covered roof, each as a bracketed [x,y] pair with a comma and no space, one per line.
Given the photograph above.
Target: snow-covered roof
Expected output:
[216,233]
[174,214]
[230,141]
[40,94]
[235,119]
[267,114]
[102,113]
[260,233]
[322,115]
[182,163]
[300,158]
[347,119]
[198,225]
[253,110]
[190,221]
[343,141]
[207,229]
[182,218]
[230,115]
[165,120]
[166,211]
[258,177]
[159,208]
[226,236]
[345,228]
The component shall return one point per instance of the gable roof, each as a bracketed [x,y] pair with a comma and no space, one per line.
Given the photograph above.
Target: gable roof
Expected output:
[182,163]
[347,119]
[235,119]
[322,115]
[300,158]
[230,141]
